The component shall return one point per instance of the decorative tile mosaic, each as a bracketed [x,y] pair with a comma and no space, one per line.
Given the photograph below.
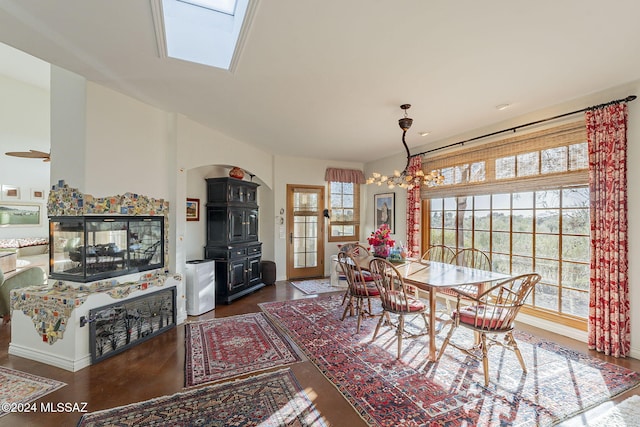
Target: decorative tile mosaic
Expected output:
[68,201]
[51,307]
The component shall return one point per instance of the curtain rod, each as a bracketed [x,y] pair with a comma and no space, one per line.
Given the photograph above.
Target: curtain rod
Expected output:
[513,129]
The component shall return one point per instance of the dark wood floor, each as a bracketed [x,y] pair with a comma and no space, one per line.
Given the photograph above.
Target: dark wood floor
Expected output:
[156,368]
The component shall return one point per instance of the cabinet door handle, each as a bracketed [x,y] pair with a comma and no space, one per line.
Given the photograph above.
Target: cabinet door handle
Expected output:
[291,238]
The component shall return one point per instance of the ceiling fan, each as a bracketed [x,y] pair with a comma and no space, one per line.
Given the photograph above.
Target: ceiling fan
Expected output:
[31,154]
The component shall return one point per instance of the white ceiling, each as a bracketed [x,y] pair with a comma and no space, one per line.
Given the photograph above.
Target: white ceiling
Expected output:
[326,79]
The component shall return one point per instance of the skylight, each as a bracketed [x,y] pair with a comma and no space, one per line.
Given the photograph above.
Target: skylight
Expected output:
[224,6]
[204,31]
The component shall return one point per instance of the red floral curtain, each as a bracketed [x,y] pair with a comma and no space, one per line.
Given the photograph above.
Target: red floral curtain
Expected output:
[413,211]
[609,330]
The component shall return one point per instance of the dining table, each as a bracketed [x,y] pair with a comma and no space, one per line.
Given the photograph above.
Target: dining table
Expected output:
[429,276]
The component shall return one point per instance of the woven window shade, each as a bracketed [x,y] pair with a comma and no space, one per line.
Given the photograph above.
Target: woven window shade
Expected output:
[517,150]
[344,175]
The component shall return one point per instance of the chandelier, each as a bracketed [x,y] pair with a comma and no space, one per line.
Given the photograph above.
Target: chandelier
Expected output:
[405,179]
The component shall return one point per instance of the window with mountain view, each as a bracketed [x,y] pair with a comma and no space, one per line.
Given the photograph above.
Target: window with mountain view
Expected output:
[525,202]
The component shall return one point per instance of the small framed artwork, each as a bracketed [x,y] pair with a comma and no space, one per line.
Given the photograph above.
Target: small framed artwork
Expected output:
[37,194]
[10,192]
[385,205]
[193,209]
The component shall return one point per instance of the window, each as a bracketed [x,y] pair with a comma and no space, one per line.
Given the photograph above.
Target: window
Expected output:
[208,32]
[344,200]
[528,209]
[222,6]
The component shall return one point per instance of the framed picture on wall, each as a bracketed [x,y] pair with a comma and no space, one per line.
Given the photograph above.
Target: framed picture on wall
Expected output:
[193,209]
[10,192]
[19,214]
[385,205]
[37,194]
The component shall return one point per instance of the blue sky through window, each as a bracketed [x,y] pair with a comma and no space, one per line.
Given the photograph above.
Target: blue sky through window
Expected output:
[203,31]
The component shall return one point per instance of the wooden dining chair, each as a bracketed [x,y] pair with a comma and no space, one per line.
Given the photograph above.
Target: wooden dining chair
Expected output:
[492,313]
[467,257]
[360,291]
[474,258]
[440,253]
[397,300]
[357,252]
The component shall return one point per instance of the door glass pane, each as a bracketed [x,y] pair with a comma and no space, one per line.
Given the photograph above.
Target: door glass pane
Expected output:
[306,207]
[305,202]
[299,260]
[312,259]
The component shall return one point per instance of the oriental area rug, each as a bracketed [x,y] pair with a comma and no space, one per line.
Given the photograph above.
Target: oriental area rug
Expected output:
[271,399]
[230,346]
[414,392]
[316,286]
[20,388]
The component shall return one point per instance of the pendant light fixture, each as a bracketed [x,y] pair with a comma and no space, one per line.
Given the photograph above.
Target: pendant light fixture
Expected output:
[405,179]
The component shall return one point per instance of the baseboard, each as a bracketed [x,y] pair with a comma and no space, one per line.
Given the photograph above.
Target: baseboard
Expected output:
[50,359]
[554,327]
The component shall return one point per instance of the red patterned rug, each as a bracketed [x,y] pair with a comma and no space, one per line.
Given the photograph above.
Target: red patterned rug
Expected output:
[271,399]
[18,389]
[409,392]
[231,346]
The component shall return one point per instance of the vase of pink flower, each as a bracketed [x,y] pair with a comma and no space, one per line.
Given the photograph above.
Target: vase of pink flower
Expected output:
[381,241]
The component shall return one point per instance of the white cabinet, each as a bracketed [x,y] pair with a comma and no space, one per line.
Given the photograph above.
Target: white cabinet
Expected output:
[201,287]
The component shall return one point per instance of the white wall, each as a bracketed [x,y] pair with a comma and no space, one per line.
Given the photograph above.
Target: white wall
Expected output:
[127,146]
[68,127]
[24,125]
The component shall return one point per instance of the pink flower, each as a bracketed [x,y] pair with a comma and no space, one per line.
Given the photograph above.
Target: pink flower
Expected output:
[381,236]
